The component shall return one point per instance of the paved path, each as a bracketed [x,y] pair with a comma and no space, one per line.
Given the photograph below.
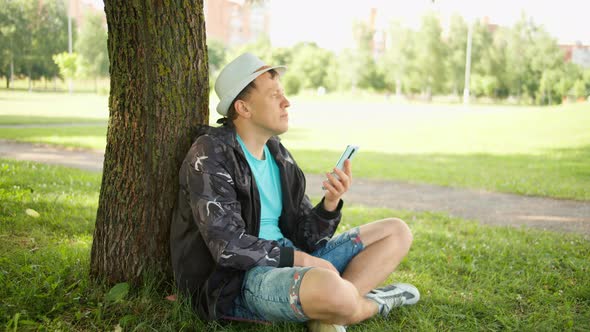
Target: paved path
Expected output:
[485,207]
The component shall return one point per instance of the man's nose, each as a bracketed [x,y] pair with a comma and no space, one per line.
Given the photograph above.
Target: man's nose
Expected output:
[286,102]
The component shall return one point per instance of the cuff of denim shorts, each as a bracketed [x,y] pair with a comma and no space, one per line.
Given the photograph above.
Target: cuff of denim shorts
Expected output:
[286,257]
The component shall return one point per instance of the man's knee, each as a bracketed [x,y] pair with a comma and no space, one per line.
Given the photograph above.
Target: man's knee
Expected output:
[400,231]
[344,298]
[324,292]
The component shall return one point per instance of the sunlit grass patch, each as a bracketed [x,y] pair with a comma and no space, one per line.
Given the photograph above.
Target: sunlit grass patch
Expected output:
[24,104]
[88,137]
[34,120]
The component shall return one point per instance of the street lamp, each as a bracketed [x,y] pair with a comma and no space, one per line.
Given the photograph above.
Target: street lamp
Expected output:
[468,63]
[70,82]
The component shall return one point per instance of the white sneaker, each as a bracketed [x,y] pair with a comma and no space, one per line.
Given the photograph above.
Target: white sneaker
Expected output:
[394,295]
[317,326]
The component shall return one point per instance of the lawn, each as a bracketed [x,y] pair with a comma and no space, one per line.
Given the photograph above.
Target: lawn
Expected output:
[27,104]
[16,120]
[472,277]
[541,151]
[88,136]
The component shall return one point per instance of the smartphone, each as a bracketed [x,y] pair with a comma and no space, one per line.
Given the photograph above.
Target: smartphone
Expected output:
[348,153]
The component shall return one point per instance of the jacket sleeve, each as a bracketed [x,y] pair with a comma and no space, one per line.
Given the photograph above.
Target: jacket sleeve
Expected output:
[315,225]
[216,211]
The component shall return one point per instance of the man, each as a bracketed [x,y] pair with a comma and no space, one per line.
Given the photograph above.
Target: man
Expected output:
[246,242]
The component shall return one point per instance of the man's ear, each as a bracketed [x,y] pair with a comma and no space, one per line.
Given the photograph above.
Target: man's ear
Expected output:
[242,109]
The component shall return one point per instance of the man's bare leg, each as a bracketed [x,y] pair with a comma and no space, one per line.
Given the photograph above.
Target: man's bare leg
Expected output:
[327,297]
[386,243]
[330,298]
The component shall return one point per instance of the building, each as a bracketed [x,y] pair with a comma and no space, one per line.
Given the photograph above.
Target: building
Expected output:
[78,9]
[236,22]
[577,53]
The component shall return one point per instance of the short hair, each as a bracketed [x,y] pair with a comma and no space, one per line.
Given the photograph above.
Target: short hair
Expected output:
[232,114]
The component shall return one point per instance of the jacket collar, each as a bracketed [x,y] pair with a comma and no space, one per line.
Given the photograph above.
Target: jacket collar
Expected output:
[228,135]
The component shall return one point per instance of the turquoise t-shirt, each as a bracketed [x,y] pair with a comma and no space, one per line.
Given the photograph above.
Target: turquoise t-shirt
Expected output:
[268,179]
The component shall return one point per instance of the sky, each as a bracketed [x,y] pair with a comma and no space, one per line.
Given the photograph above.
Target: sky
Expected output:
[328,22]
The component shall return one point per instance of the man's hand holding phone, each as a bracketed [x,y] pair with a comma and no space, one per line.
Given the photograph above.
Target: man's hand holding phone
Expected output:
[338,181]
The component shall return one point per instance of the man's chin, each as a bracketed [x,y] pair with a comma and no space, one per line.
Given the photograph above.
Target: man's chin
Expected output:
[281,131]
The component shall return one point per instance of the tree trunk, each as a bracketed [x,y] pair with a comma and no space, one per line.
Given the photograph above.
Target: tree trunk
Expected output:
[159,92]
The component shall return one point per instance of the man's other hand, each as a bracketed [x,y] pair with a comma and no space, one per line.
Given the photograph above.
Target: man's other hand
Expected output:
[304,259]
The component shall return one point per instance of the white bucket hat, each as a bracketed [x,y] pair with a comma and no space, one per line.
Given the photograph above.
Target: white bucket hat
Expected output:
[236,75]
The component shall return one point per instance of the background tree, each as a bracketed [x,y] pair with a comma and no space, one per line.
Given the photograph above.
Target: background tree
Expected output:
[333,79]
[292,79]
[546,67]
[159,92]
[357,65]
[261,47]
[485,61]
[521,79]
[310,62]
[571,82]
[395,63]
[282,55]
[579,89]
[11,34]
[586,80]
[431,55]
[498,62]
[67,64]
[456,45]
[47,26]
[216,51]
[15,39]
[91,46]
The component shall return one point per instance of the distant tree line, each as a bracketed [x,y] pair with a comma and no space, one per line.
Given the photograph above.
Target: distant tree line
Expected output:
[34,42]
[522,62]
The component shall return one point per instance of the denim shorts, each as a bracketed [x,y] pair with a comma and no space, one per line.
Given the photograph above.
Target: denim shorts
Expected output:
[272,294]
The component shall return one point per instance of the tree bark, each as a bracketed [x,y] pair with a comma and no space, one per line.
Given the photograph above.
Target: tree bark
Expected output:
[159,92]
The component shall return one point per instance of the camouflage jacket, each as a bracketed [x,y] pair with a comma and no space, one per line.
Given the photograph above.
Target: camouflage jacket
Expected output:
[214,232]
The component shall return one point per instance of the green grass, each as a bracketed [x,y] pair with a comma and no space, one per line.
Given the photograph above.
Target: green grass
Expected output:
[542,151]
[88,137]
[427,129]
[561,173]
[523,150]
[44,120]
[472,277]
[26,104]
